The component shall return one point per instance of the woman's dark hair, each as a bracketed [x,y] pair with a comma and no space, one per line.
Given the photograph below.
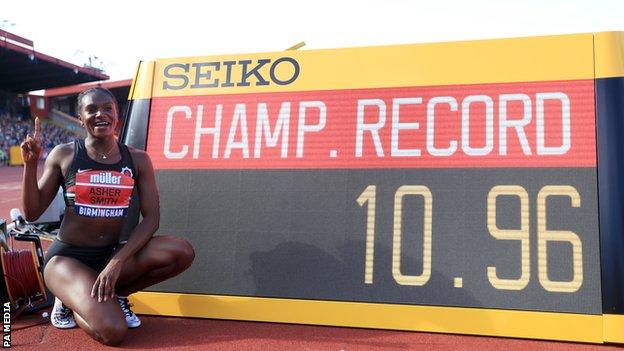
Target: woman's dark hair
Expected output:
[91,91]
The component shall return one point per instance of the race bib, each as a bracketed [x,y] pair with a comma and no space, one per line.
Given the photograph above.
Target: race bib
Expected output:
[102,193]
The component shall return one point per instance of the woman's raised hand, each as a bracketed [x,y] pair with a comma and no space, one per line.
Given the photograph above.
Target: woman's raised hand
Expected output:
[31,147]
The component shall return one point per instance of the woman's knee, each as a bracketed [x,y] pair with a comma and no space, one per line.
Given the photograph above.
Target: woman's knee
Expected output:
[182,250]
[188,253]
[109,331]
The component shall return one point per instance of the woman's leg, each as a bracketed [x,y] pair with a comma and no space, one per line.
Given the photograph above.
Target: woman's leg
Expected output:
[72,281]
[161,258]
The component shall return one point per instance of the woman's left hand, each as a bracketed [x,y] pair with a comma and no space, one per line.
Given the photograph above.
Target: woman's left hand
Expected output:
[104,286]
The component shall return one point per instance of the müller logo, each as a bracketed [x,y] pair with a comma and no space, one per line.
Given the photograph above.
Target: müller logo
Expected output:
[105,178]
[223,74]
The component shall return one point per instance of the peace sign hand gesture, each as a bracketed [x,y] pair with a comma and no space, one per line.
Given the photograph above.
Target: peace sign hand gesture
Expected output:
[31,147]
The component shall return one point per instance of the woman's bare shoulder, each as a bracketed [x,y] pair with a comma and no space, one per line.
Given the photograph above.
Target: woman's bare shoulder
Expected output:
[138,155]
[141,159]
[61,152]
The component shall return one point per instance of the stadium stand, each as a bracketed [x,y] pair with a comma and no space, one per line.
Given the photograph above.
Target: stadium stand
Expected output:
[13,130]
[22,70]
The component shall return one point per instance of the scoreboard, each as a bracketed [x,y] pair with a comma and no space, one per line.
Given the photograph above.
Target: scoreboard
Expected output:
[465,187]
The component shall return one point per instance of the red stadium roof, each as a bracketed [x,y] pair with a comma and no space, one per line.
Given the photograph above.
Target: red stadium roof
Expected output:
[77,88]
[23,69]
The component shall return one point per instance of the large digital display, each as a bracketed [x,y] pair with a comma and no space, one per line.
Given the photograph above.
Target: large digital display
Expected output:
[472,198]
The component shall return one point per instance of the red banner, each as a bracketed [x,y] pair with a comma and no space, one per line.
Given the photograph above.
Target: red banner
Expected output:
[541,124]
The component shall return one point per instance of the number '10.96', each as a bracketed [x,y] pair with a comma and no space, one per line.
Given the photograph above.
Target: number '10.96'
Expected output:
[544,235]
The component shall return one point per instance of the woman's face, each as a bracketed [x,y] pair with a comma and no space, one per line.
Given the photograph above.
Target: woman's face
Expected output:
[98,113]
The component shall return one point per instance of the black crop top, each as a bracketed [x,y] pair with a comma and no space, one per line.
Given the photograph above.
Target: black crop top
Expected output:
[96,189]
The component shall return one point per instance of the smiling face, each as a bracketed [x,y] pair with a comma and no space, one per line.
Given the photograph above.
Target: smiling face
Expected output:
[98,113]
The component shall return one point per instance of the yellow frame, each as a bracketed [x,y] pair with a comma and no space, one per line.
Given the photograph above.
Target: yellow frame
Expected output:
[437,319]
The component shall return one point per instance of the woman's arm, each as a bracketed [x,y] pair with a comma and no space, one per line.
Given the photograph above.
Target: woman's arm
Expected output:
[104,286]
[36,197]
[150,209]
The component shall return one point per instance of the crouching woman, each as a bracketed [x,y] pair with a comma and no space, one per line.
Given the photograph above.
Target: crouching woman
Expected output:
[88,270]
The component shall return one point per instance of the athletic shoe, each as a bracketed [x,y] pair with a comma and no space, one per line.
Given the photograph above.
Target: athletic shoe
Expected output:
[61,316]
[131,319]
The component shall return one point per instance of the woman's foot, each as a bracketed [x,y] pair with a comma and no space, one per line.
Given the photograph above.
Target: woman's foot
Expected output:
[62,317]
[131,319]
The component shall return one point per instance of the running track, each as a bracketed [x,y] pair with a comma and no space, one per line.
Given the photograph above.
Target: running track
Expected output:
[165,333]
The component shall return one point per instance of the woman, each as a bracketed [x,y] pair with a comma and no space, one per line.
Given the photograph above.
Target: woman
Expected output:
[87,268]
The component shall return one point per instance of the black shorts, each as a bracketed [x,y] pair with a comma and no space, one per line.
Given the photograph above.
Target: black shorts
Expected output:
[95,258]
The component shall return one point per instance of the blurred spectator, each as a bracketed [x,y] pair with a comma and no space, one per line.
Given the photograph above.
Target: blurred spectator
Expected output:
[4,159]
[13,131]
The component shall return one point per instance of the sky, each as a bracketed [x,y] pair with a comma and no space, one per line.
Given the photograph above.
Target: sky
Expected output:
[117,35]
